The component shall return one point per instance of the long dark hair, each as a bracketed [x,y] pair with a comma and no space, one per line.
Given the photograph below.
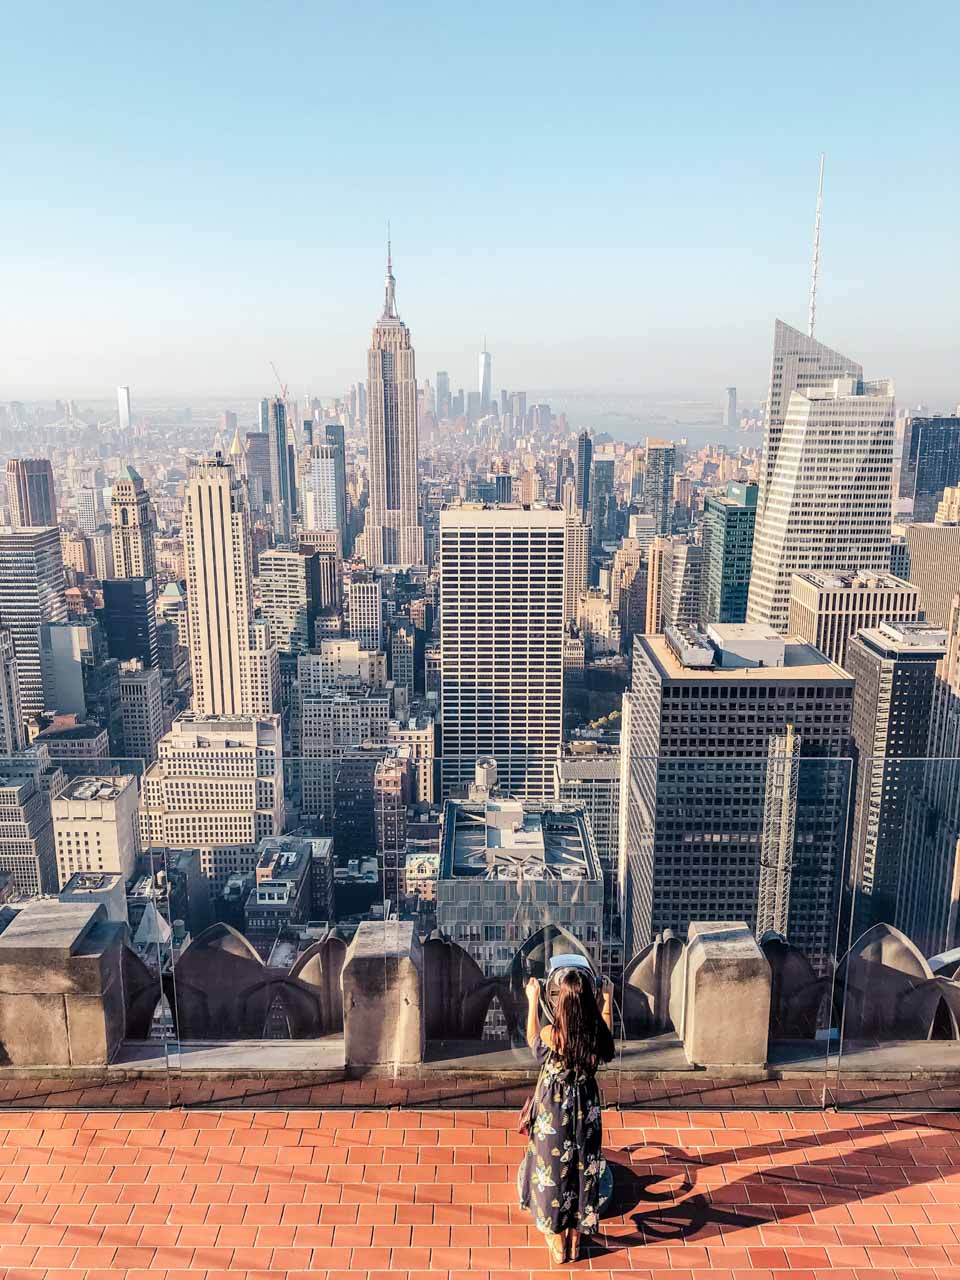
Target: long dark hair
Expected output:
[580,1035]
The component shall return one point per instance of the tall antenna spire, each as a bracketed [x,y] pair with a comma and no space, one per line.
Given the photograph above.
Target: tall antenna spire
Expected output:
[816,253]
[390,302]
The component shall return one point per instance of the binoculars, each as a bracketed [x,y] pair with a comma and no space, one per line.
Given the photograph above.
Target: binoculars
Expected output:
[558,966]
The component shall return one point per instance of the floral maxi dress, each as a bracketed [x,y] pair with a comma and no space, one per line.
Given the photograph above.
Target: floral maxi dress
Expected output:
[559,1179]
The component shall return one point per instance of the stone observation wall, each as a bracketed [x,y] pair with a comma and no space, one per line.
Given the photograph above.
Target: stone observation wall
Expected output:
[72,991]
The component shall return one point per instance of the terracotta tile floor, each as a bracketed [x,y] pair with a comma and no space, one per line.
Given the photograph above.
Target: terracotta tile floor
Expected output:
[326,1195]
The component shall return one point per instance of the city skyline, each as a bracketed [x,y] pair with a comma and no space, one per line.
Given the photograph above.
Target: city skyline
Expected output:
[650,237]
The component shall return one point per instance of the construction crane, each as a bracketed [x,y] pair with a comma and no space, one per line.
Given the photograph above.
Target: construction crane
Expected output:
[282,384]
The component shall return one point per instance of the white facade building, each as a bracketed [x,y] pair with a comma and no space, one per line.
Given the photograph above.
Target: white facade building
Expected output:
[340,662]
[88,503]
[501,640]
[96,826]
[576,563]
[829,495]
[799,361]
[320,482]
[365,603]
[332,722]
[284,588]
[124,413]
[234,664]
[216,786]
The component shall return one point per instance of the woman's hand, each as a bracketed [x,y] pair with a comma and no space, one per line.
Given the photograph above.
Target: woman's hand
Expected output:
[532,990]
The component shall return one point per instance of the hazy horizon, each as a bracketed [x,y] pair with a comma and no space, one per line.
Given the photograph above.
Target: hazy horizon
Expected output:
[620,210]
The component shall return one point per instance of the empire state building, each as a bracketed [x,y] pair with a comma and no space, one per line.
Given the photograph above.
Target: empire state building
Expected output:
[392,534]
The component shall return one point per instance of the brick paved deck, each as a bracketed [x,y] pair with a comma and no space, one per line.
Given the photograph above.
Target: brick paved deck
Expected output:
[326,1195]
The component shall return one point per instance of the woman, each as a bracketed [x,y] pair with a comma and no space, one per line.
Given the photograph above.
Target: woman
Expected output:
[560,1176]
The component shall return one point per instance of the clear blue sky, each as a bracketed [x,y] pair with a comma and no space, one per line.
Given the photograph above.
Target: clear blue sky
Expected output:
[620,196]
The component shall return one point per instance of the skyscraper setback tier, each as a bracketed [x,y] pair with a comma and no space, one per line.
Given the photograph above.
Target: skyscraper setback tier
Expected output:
[501,633]
[392,534]
[26,832]
[235,668]
[829,494]
[799,361]
[827,609]
[134,527]
[716,736]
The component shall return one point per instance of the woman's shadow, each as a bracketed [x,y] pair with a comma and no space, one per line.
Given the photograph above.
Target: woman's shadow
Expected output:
[661,1201]
[664,1207]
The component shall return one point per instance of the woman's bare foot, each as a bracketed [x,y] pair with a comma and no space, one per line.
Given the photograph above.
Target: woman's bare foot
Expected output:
[557,1244]
[573,1245]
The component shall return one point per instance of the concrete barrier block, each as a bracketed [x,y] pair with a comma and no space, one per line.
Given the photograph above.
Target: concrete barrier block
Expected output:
[726,1013]
[382,981]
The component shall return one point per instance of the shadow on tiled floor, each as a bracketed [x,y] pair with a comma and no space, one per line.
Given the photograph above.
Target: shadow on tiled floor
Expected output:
[287,1195]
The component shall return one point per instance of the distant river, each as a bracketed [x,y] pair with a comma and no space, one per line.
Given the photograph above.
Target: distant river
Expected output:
[634,428]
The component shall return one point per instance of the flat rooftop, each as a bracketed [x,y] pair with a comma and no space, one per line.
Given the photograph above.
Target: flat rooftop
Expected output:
[801,661]
[283,856]
[93,787]
[504,839]
[906,637]
[588,760]
[71,732]
[192,728]
[90,882]
[854,581]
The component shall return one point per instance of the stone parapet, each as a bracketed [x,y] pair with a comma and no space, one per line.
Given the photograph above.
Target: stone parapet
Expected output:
[726,997]
[382,982]
[61,986]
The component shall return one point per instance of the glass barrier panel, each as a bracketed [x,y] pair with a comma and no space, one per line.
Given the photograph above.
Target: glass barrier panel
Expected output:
[898,998]
[730,882]
[87,937]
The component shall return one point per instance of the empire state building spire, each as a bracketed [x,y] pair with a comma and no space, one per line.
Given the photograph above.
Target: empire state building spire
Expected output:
[392,533]
[390,299]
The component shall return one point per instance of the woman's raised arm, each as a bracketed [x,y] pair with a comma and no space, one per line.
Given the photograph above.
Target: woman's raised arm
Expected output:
[532,990]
